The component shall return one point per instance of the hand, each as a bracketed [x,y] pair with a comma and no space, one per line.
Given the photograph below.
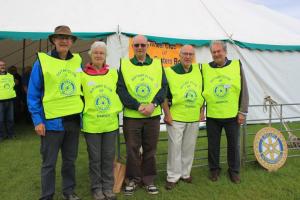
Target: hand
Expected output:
[202,117]
[149,108]
[168,120]
[40,129]
[141,108]
[241,118]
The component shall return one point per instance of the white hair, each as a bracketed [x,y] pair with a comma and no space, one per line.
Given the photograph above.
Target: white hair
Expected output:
[98,44]
[223,44]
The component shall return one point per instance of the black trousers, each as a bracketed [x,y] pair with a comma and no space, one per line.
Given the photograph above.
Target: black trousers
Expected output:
[51,143]
[232,130]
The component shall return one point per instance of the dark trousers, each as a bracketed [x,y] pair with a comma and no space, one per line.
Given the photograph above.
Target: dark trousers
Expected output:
[6,119]
[141,133]
[51,143]
[232,130]
[101,150]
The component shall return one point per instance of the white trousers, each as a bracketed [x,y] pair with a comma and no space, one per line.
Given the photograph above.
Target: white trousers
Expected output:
[182,139]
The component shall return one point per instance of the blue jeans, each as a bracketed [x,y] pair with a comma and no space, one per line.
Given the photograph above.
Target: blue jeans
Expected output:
[7,118]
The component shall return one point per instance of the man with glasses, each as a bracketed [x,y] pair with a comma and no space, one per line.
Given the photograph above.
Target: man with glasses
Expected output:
[226,95]
[142,88]
[182,113]
[55,105]
[7,97]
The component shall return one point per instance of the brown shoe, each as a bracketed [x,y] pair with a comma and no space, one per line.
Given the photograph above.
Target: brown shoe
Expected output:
[170,185]
[187,180]
[214,175]
[235,178]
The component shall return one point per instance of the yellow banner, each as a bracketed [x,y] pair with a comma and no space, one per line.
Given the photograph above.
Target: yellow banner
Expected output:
[168,53]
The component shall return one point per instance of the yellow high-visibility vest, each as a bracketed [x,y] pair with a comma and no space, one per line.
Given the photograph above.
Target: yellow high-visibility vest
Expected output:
[186,90]
[143,83]
[222,88]
[62,86]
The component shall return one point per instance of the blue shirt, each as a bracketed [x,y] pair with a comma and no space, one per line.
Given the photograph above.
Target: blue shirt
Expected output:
[35,95]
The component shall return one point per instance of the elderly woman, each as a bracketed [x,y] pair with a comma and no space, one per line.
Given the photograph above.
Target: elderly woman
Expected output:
[100,122]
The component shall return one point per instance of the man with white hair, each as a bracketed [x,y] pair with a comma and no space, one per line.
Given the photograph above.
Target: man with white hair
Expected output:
[55,105]
[142,88]
[226,95]
[7,96]
[182,118]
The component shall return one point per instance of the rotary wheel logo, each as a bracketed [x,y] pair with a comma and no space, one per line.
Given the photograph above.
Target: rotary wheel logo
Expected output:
[220,91]
[6,86]
[190,96]
[270,148]
[143,90]
[102,103]
[67,87]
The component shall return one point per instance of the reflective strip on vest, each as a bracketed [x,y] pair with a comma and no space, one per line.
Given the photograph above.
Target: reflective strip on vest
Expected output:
[222,88]
[186,90]
[142,83]
[102,103]
[7,84]
[62,87]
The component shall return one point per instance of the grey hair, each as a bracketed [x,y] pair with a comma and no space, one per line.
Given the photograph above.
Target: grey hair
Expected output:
[223,44]
[98,44]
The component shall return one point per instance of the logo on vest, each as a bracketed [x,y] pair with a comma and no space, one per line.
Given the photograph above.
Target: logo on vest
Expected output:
[190,97]
[221,90]
[102,103]
[143,90]
[6,86]
[67,88]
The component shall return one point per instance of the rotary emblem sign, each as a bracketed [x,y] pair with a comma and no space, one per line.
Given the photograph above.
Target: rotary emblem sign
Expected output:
[270,148]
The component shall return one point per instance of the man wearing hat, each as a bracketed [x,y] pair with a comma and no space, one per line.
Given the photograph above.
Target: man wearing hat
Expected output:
[55,104]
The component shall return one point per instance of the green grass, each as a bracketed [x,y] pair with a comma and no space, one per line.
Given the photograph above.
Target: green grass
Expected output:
[20,173]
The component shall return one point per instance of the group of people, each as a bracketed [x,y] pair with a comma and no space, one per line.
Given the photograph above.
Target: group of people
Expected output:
[65,98]
[13,104]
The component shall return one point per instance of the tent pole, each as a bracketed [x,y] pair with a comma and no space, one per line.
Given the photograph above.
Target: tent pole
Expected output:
[47,45]
[23,58]
[40,45]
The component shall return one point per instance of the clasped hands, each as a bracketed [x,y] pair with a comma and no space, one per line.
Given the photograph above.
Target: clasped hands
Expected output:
[146,109]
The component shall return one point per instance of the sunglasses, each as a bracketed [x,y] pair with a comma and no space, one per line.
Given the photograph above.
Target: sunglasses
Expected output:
[140,45]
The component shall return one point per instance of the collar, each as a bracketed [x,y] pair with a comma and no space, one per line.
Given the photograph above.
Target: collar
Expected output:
[54,54]
[147,61]
[215,65]
[92,70]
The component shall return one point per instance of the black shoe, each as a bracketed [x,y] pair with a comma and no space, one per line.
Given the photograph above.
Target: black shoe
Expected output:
[70,197]
[187,180]
[109,195]
[170,185]
[151,189]
[214,175]
[130,188]
[235,178]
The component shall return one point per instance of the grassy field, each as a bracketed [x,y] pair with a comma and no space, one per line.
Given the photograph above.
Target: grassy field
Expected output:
[20,173]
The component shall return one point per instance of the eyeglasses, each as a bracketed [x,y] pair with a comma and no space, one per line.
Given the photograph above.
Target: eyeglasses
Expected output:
[187,54]
[140,45]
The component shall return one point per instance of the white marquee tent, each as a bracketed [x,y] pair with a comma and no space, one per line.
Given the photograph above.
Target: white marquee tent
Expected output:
[267,42]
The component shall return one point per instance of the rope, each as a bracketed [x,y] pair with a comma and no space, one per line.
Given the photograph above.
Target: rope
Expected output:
[235,46]
[293,141]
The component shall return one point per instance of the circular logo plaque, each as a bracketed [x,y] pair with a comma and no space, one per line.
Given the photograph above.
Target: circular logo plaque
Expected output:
[270,148]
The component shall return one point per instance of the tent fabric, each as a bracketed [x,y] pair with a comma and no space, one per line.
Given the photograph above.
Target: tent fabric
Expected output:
[267,42]
[193,21]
